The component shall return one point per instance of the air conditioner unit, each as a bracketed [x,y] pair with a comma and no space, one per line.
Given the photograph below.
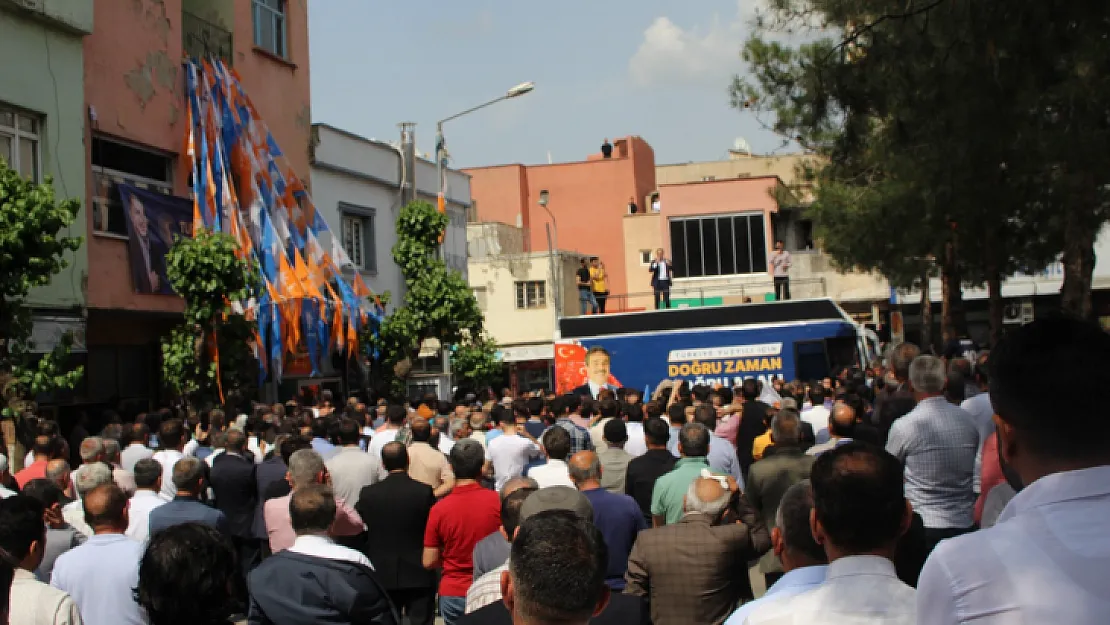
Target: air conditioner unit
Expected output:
[1018,312]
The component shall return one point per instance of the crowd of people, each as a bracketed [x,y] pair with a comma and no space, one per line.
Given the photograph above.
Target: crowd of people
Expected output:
[927,490]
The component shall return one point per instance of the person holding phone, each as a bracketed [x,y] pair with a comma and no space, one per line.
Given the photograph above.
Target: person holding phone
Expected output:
[662,273]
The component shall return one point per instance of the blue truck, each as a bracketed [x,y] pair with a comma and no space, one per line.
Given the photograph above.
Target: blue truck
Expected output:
[719,345]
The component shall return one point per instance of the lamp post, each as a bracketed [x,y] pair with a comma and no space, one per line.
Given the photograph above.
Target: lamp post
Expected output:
[519,90]
[552,256]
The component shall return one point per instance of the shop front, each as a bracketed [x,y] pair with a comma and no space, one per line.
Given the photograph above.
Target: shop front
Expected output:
[530,367]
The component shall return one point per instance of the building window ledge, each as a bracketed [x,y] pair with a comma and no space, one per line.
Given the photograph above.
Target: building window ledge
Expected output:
[111,235]
[275,58]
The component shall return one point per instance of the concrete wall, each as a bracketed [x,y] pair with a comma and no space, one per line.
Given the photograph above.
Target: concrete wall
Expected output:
[785,167]
[497,276]
[347,168]
[133,80]
[722,197]
[641,232]
[589,200]
[501,194]
[42,73]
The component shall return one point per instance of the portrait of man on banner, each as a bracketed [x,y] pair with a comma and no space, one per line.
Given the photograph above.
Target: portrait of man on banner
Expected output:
[153,220]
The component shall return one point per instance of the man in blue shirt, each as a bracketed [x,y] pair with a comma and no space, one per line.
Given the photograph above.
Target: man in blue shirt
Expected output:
[320,442]
[188,479]
[802,558]
[722,455]
[617,516]
[676,414]
[101,574]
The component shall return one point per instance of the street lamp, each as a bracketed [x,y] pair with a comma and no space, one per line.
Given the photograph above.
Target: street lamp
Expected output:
[517,91]
[553,249]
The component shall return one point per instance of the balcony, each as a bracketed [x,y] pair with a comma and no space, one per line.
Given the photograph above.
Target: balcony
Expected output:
[204,40]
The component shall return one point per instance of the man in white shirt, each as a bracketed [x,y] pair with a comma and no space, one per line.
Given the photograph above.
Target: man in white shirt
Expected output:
[634,424]
[395,416]
[135,439]
[780,270]
[23,536]
[802,558]
[351,469]
[171,438]
[982,413]
[556,445]
[1047,558]
[859,514]
[937,443]
[817,415]
[511,451]
[147,497]
[5,475]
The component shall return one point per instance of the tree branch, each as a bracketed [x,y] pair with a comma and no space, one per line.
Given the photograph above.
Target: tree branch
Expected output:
[866,28]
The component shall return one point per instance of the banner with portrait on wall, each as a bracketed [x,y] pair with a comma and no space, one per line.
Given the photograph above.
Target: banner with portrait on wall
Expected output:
[153,220]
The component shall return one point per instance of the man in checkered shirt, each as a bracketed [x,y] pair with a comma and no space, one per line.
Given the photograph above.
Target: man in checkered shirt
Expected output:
[564,407]
[936,442]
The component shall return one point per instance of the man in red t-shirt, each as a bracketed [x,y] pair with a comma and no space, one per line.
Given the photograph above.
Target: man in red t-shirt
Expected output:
[456,523]
[46,449]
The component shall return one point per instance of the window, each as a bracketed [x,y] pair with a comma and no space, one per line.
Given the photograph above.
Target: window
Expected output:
[718,246]
[19,142]
[357,231]
[269,26]
[531,294]
[645,258]
[113,163]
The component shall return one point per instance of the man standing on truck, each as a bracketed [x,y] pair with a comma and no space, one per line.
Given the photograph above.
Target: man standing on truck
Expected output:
[585,292]
[780,269]
[661,275]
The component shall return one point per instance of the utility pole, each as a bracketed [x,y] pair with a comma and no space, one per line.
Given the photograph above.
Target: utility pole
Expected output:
[408,162]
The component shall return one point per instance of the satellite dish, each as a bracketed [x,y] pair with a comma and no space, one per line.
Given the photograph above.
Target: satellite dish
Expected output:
[740,144]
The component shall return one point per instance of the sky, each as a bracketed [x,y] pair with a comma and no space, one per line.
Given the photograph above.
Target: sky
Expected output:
[659,69]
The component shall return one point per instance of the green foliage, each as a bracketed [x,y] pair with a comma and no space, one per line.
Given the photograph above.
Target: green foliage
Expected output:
[32,251]
[438,303]
[475,362]
[206,272]
[946,129]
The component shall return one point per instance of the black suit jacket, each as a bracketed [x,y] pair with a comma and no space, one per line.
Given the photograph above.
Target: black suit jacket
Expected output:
[654,269]
[295,589]
[233,481]
[395,511]
[622,610]
[271,471]
[583,391]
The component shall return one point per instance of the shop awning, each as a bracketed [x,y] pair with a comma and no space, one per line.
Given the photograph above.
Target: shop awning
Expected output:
[523,353]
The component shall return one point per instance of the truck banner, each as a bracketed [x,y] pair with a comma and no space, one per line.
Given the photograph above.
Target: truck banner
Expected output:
[714,356]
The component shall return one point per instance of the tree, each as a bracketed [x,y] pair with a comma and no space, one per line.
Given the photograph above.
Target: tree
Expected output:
[946,129]
[207,272]
[475,362]
[33,246]
[438,303]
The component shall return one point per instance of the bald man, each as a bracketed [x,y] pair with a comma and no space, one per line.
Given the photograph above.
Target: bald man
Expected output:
[493,550]
[426,463]
[100,574]
[842,420]
[694,570]
[618,516]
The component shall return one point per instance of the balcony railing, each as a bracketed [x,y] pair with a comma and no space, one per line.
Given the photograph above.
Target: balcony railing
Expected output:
[682,296]
[204,40]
